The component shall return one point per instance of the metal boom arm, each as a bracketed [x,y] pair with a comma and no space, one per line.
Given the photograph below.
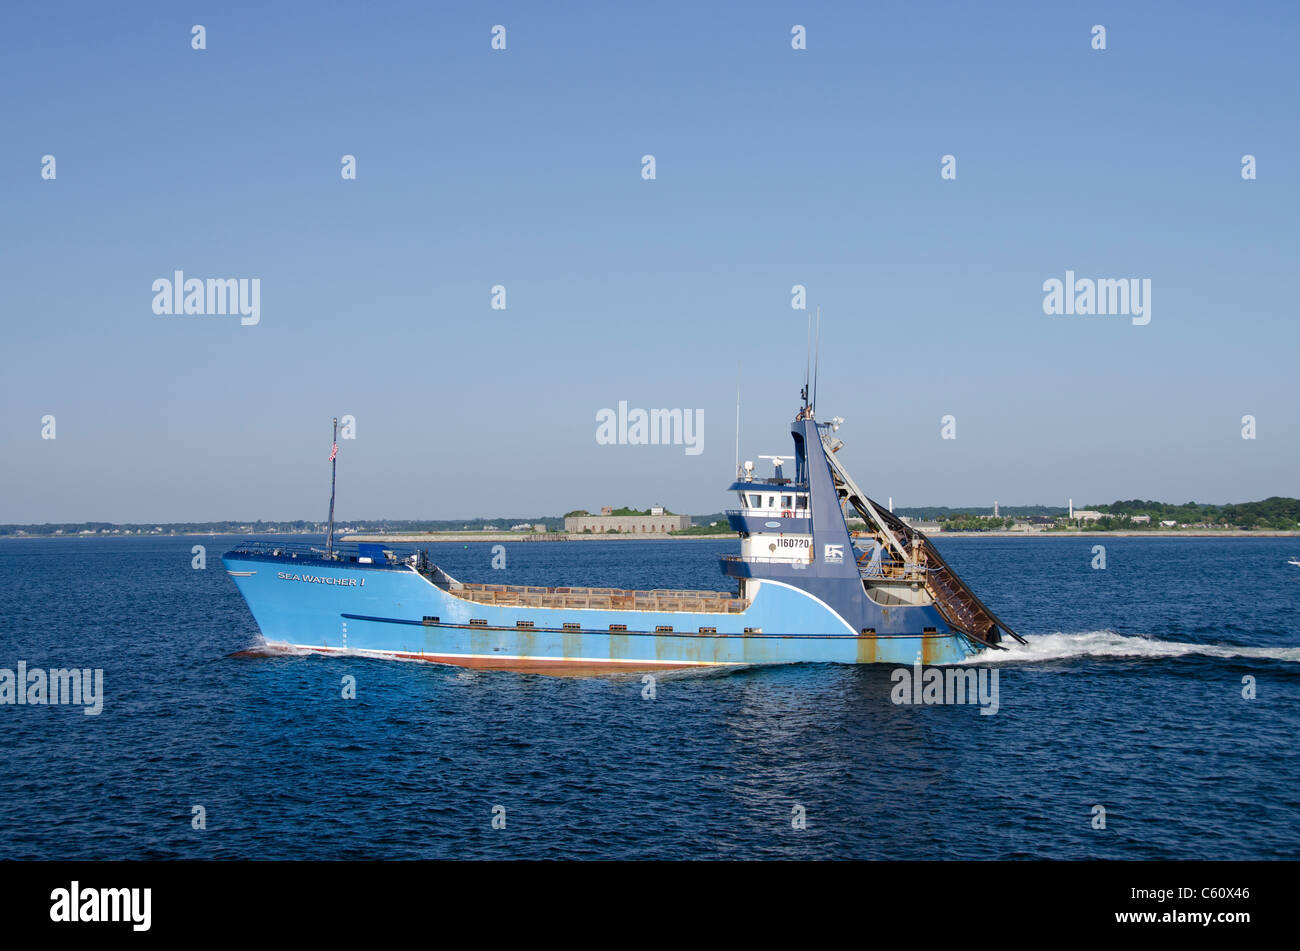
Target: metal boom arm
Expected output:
[953,596]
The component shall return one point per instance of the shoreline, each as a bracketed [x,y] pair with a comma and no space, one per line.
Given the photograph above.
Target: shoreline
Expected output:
[1168,533]
[535,537]
[632,536]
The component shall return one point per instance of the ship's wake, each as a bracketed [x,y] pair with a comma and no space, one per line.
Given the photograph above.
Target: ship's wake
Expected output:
[277,649]
[267,649]
[1046,647]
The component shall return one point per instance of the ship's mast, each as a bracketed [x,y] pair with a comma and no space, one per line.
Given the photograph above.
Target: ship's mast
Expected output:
[818,358]
[811,363]
[334,467]
[738,420]
[807,370]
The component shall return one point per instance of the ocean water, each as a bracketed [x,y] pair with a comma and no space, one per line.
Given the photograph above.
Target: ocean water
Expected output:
[1128,696]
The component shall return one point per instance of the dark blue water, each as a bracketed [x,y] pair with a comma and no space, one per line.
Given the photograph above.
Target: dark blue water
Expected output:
[1129,696]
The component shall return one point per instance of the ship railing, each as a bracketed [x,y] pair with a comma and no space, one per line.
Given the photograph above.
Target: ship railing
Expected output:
[300,549]
[697,602]
[306,550]
[767,559]
[895,571]
[889,567]
[768,513]
[887,570]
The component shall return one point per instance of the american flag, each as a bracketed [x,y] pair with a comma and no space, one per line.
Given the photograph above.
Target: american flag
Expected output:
[334,452]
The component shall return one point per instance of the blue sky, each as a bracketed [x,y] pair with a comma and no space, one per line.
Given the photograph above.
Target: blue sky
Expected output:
[522,168]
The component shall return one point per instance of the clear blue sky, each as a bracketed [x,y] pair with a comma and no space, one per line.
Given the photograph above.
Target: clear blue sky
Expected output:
[522,168]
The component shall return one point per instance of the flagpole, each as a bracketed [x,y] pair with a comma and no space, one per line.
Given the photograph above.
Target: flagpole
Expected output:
[334,468]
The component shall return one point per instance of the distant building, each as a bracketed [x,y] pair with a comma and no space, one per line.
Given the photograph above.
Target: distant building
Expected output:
[626,524]
[1170,524]
[930,528]
[1085,515]
[1141,520]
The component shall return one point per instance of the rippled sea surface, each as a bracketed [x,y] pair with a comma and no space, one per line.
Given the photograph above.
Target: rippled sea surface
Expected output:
[1128,696]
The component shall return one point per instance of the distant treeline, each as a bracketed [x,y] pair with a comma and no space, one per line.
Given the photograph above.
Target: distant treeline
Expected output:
[940,513]
[260,527]
[961,523]
[1278,513]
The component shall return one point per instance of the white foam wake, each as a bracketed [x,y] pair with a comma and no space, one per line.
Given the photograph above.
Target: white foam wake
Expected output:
[1058,646]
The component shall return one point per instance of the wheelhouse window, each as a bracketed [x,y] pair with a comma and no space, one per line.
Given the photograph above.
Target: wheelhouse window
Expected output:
[756,501]
[787,501]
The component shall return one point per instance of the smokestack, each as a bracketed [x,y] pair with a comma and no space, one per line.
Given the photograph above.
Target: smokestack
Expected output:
[1071,509]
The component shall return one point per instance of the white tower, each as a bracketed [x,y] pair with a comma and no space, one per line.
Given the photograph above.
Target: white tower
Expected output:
[1072,510]
[995,508]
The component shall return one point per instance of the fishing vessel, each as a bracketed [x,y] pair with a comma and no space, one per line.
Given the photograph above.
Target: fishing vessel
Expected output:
[808,589]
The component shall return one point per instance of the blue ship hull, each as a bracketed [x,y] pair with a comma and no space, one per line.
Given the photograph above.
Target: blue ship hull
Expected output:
[806,593]
[326,605]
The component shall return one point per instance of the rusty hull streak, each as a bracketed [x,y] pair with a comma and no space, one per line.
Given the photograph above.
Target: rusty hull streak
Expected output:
[868,646]
[619,646]
[930,648]
[754,649]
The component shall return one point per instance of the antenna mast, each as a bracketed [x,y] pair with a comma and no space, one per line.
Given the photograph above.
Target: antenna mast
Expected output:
[737,421]
[334,468]
[818,358]
[807,364]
